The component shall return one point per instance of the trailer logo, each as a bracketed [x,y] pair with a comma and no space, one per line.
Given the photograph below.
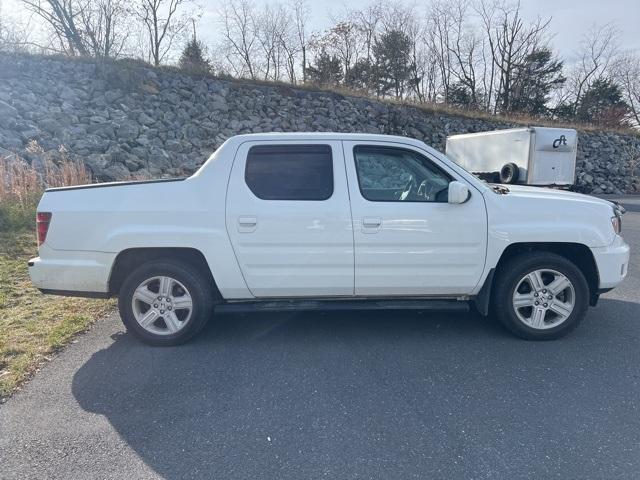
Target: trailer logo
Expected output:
[560,141]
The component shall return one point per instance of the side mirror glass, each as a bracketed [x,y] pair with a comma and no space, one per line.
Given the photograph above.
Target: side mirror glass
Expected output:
[458,192]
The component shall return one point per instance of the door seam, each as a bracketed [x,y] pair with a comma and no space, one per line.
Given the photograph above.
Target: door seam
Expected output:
[226,226]
[353,235]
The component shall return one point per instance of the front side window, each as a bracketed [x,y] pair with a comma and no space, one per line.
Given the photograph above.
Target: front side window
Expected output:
[290,172]
[389,174]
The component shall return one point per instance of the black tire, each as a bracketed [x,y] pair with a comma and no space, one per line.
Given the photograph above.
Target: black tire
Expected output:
[515,269]
[509,173]
[198,286]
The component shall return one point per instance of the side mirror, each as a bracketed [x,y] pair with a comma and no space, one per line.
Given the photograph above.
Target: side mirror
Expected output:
[458,192]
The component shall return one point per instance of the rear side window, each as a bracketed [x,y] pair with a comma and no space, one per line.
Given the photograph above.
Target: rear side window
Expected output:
[290,172]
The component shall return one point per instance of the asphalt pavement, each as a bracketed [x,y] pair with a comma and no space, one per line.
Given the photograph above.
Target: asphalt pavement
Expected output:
[384,395]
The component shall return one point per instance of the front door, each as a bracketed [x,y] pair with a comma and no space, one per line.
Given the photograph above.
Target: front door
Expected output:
[289,220]
[408,239]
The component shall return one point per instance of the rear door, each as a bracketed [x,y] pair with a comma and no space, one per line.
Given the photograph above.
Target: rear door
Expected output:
[288,217]
[408,239]
[554,157]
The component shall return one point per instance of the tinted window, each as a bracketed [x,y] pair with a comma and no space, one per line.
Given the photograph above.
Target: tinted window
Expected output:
[387,174]
[290,172]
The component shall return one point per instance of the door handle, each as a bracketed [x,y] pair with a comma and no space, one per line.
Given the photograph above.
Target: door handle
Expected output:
[247,224]
[371,224]
[371,221]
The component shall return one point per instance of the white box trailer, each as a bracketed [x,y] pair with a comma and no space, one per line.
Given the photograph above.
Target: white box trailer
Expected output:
[530,156]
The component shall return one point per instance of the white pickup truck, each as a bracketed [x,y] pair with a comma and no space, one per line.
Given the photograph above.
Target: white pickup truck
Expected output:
[328,220]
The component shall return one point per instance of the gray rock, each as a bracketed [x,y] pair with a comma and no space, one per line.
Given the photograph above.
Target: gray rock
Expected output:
[143,140]
[29,134]
[112,95]
[7,110]
[128,130]
[145,119]
[97,119]
[8,115]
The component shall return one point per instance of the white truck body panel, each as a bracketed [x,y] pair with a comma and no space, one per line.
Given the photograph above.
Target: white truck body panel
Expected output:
[291,248]
[544,156]
[420,249]
[316,248]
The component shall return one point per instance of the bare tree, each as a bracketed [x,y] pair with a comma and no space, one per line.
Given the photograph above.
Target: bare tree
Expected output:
[103,24]
[438,39]
[97,28]
[367,20]
[240,32]
[164,21]
[465,47]
[63,17]
[597,51]
[301,18]
[342,40]
[14,36]
[275,38]
[419,58]
[510,42]
[626,71]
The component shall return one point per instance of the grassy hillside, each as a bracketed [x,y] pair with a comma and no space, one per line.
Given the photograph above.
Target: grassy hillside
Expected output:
[33,326]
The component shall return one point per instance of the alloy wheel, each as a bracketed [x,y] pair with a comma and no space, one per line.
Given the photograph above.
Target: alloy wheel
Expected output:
[544,299]
[162,305]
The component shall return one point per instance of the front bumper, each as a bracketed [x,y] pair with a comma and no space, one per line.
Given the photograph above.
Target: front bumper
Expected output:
[612,263]
[71,272]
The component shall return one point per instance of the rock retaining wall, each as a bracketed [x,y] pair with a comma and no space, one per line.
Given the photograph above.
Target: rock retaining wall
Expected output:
[127,120]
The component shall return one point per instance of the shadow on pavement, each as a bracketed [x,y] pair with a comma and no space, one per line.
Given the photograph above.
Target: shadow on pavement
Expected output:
[374,394]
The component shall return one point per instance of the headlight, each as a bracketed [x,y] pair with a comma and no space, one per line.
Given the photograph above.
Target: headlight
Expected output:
[616,223]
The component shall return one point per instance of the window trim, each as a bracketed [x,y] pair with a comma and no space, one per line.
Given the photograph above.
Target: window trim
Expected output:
[404,149]
[291,146]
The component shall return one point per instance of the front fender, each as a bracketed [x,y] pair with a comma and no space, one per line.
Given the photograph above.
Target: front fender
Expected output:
[542,216]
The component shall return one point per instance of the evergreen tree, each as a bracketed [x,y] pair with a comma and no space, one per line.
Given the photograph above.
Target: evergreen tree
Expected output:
[534,80]
[193,58]
[459,95]
[327,70]
[602,104]
[392,52]
[362,76]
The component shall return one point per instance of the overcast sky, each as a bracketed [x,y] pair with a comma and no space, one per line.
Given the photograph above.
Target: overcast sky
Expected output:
[570,18]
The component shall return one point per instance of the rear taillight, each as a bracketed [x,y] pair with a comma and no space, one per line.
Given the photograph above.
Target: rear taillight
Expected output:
[43,219]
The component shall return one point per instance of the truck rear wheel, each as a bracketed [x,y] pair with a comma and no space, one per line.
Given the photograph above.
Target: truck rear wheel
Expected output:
[540,295]
[165,303]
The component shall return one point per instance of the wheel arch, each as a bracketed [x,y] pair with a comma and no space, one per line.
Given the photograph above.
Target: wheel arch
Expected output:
[577,253]
[128,260]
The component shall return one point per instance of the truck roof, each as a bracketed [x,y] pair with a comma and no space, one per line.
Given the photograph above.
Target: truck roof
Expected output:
[270,136]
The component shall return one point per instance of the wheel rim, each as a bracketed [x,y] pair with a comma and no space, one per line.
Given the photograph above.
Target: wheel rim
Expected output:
[162,305]
[544,299]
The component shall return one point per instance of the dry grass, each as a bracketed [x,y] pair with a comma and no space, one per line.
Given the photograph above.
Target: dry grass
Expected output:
[20,182]
[32,326]
[633,155]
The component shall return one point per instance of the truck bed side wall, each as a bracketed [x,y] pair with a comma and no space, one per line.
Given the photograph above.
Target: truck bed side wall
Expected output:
[187,214]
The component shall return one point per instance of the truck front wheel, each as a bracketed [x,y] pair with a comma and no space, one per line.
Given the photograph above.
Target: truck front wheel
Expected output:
[165,302]
[540,295]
